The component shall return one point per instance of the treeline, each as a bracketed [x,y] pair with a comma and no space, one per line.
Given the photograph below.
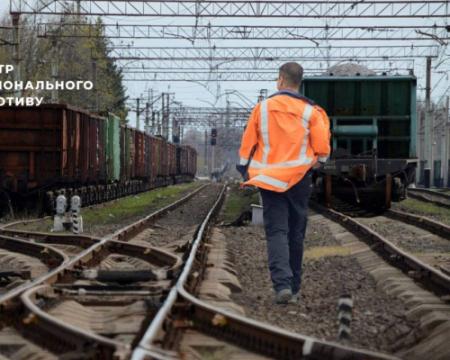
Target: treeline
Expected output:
[77,59]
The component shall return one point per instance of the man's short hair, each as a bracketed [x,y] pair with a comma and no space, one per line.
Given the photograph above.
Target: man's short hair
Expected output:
[292,73]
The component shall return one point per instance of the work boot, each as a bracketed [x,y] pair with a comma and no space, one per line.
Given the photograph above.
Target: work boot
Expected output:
[283,296]
[295,299]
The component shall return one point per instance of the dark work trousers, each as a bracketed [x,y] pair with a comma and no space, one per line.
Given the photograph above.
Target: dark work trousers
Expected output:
[285,217]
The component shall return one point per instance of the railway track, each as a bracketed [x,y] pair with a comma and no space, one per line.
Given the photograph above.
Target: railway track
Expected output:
[428,239]
[184,314]
[425,239]
[432,249]
[430,277]
[434,197]
[129,294]
[93,299]
[401,273]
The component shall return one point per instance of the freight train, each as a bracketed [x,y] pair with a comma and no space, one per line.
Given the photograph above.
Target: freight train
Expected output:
[373,121]
[58,149]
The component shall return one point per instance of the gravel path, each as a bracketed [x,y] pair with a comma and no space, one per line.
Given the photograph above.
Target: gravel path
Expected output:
[378,319]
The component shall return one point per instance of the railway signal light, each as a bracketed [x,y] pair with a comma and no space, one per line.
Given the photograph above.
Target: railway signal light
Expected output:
[213,136]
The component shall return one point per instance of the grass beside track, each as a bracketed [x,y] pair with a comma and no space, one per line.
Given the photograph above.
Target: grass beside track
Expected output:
[237,202]
[424,208]
[121,211]
[138,204]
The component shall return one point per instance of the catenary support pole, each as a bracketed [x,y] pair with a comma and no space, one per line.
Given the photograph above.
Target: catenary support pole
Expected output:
[16,51]
[163,115]
[138,100]
[159,122]
[213,158]
[206,153]
[55,70]
[94,80]
[428,143]
[446,145]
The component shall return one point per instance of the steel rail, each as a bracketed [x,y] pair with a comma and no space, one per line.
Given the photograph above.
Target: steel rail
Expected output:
[169,264]
[39,251]
[57,327]
[88,253]
[431,225]
[278,342]
[83,241]
[20,222]
[158,320]
[426,275]
[128,231]
[149,253]
[43,327]
[430,196]
[53,275]
[74,336]
[249,333]
[48,255]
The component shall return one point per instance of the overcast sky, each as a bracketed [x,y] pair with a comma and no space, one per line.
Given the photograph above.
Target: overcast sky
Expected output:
[194,94]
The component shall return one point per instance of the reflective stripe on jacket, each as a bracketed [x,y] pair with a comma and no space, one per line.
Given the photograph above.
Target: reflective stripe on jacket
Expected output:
[289,133]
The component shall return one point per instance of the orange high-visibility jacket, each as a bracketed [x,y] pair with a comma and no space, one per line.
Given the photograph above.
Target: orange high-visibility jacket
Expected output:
[288,134]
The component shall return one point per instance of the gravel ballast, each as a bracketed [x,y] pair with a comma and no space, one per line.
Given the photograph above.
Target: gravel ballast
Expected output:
[427,246]
[328,272]
[182,221]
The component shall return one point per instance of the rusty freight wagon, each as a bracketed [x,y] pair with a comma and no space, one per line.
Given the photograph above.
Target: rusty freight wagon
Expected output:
[50,146]
[191,162]
[186,161]
[53,149]
[172,159]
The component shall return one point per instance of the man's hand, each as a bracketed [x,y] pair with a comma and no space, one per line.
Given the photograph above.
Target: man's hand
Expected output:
[243,171]
[246,188]
[318,165]
[321,160]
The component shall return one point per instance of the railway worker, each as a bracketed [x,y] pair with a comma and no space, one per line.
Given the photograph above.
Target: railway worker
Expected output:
[286,135]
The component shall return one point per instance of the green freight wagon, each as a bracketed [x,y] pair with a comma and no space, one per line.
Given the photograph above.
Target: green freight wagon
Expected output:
[113,147]
[125,162]
[373,122]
